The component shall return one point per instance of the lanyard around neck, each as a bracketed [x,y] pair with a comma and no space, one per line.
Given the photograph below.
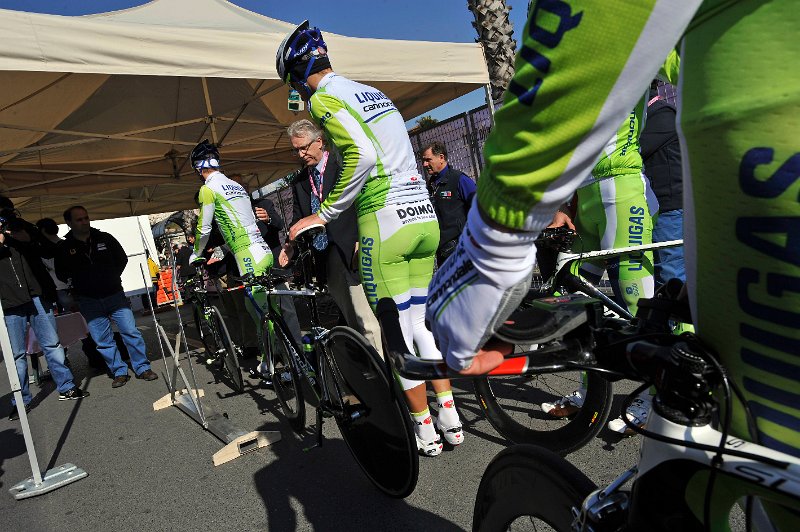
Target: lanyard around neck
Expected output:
[323,163]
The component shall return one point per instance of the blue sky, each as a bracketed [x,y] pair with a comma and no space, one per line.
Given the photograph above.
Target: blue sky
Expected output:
[425,20]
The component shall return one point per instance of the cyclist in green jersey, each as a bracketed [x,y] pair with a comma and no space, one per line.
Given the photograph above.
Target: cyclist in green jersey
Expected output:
[398,229]
[581,69]
[614,207]
[227,202]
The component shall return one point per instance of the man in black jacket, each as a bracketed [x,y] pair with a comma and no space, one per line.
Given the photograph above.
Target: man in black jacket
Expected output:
[336,248]
[28,296]
[451,193]
[661,155]
[95,260]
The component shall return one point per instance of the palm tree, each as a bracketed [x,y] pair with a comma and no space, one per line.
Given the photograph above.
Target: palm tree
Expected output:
[426,122]
[495,33]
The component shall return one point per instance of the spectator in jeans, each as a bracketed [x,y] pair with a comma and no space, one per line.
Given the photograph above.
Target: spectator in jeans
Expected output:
[661,153]
[94,260]
[28,296]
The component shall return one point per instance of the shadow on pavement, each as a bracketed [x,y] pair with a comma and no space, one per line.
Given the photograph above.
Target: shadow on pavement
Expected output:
[325,487]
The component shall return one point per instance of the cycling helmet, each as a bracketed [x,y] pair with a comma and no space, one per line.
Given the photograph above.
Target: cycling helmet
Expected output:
[204,155]
[298,52]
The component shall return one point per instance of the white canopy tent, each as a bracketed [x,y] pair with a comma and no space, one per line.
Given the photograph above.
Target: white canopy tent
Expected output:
[102,110]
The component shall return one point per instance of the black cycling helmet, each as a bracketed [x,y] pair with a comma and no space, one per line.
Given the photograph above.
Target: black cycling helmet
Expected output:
[302,48]
[204,155]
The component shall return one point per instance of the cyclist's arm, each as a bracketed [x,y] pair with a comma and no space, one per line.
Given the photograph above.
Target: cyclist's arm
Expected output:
[564,103]
[566,100]
[204,222]
[358,153]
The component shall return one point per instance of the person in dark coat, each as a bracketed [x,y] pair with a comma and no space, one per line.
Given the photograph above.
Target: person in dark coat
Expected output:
[451,193]
[95,260]
[336,249]
[28,296]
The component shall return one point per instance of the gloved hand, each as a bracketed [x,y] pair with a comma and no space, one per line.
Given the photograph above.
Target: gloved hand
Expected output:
[476,289]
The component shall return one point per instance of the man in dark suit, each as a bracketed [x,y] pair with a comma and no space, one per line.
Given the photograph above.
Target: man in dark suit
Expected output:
[336,249]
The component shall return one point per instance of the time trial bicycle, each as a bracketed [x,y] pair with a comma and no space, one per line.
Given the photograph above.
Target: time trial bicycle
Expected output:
[345,375]
[691,470]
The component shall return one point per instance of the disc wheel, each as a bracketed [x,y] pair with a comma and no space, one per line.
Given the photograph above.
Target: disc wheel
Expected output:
[378,428]
[512,406]
[526,487]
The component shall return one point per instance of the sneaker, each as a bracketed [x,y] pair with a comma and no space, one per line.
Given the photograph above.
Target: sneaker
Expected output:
[15,414]
[453,435]
[567,406]
[637,413]
[430,448]
[73,394]
[120,381]
[147,375]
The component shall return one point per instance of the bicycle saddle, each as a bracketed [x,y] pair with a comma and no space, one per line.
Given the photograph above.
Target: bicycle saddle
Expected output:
[545,319]
[308,233]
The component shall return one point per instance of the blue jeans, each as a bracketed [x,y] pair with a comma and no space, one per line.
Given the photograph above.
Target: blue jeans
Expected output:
[99,313]
[669,261]
[43,322]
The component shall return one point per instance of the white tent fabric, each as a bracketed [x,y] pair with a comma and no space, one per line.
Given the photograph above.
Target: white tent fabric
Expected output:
[102,110]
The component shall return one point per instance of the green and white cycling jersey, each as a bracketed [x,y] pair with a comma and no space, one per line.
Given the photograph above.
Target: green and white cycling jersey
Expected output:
[398,230]
[378,163]
[228,203]
[740,100]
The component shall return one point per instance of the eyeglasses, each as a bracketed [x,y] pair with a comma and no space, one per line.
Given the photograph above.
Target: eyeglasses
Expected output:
[303,149]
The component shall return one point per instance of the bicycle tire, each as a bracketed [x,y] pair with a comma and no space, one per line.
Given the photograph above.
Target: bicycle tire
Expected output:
[205,332]
[285,375]
[228,351]
[382,440]
[500,399]
[529,481]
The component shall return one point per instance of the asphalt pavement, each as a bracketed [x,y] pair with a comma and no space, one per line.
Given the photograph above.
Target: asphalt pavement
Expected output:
[152,470]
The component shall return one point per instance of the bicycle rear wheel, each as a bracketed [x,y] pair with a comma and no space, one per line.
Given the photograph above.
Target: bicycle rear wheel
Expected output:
[511,404]
[285,374]
[530,488]
[378,432]
[227,350]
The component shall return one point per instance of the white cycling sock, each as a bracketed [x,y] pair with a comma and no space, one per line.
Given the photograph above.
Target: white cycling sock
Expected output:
[423,425]
[448,415]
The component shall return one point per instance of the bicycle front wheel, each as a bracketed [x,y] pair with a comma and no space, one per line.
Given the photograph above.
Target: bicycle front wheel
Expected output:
[527,487]
[285,374]
[511,404]
[375,423]
[227,350]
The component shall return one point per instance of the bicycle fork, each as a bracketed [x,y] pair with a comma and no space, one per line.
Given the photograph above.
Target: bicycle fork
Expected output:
[604,509]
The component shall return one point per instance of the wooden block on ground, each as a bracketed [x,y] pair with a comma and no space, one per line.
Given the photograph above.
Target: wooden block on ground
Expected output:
[242,445]
[166,401]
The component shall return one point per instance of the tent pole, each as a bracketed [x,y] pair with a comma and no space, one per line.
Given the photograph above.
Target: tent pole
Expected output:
[210,113]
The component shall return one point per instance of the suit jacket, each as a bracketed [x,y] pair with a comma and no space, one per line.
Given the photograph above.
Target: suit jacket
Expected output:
[343,231]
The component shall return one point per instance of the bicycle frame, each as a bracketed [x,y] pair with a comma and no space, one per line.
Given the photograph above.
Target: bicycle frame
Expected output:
[315,378]
[563,274]
[680,476]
